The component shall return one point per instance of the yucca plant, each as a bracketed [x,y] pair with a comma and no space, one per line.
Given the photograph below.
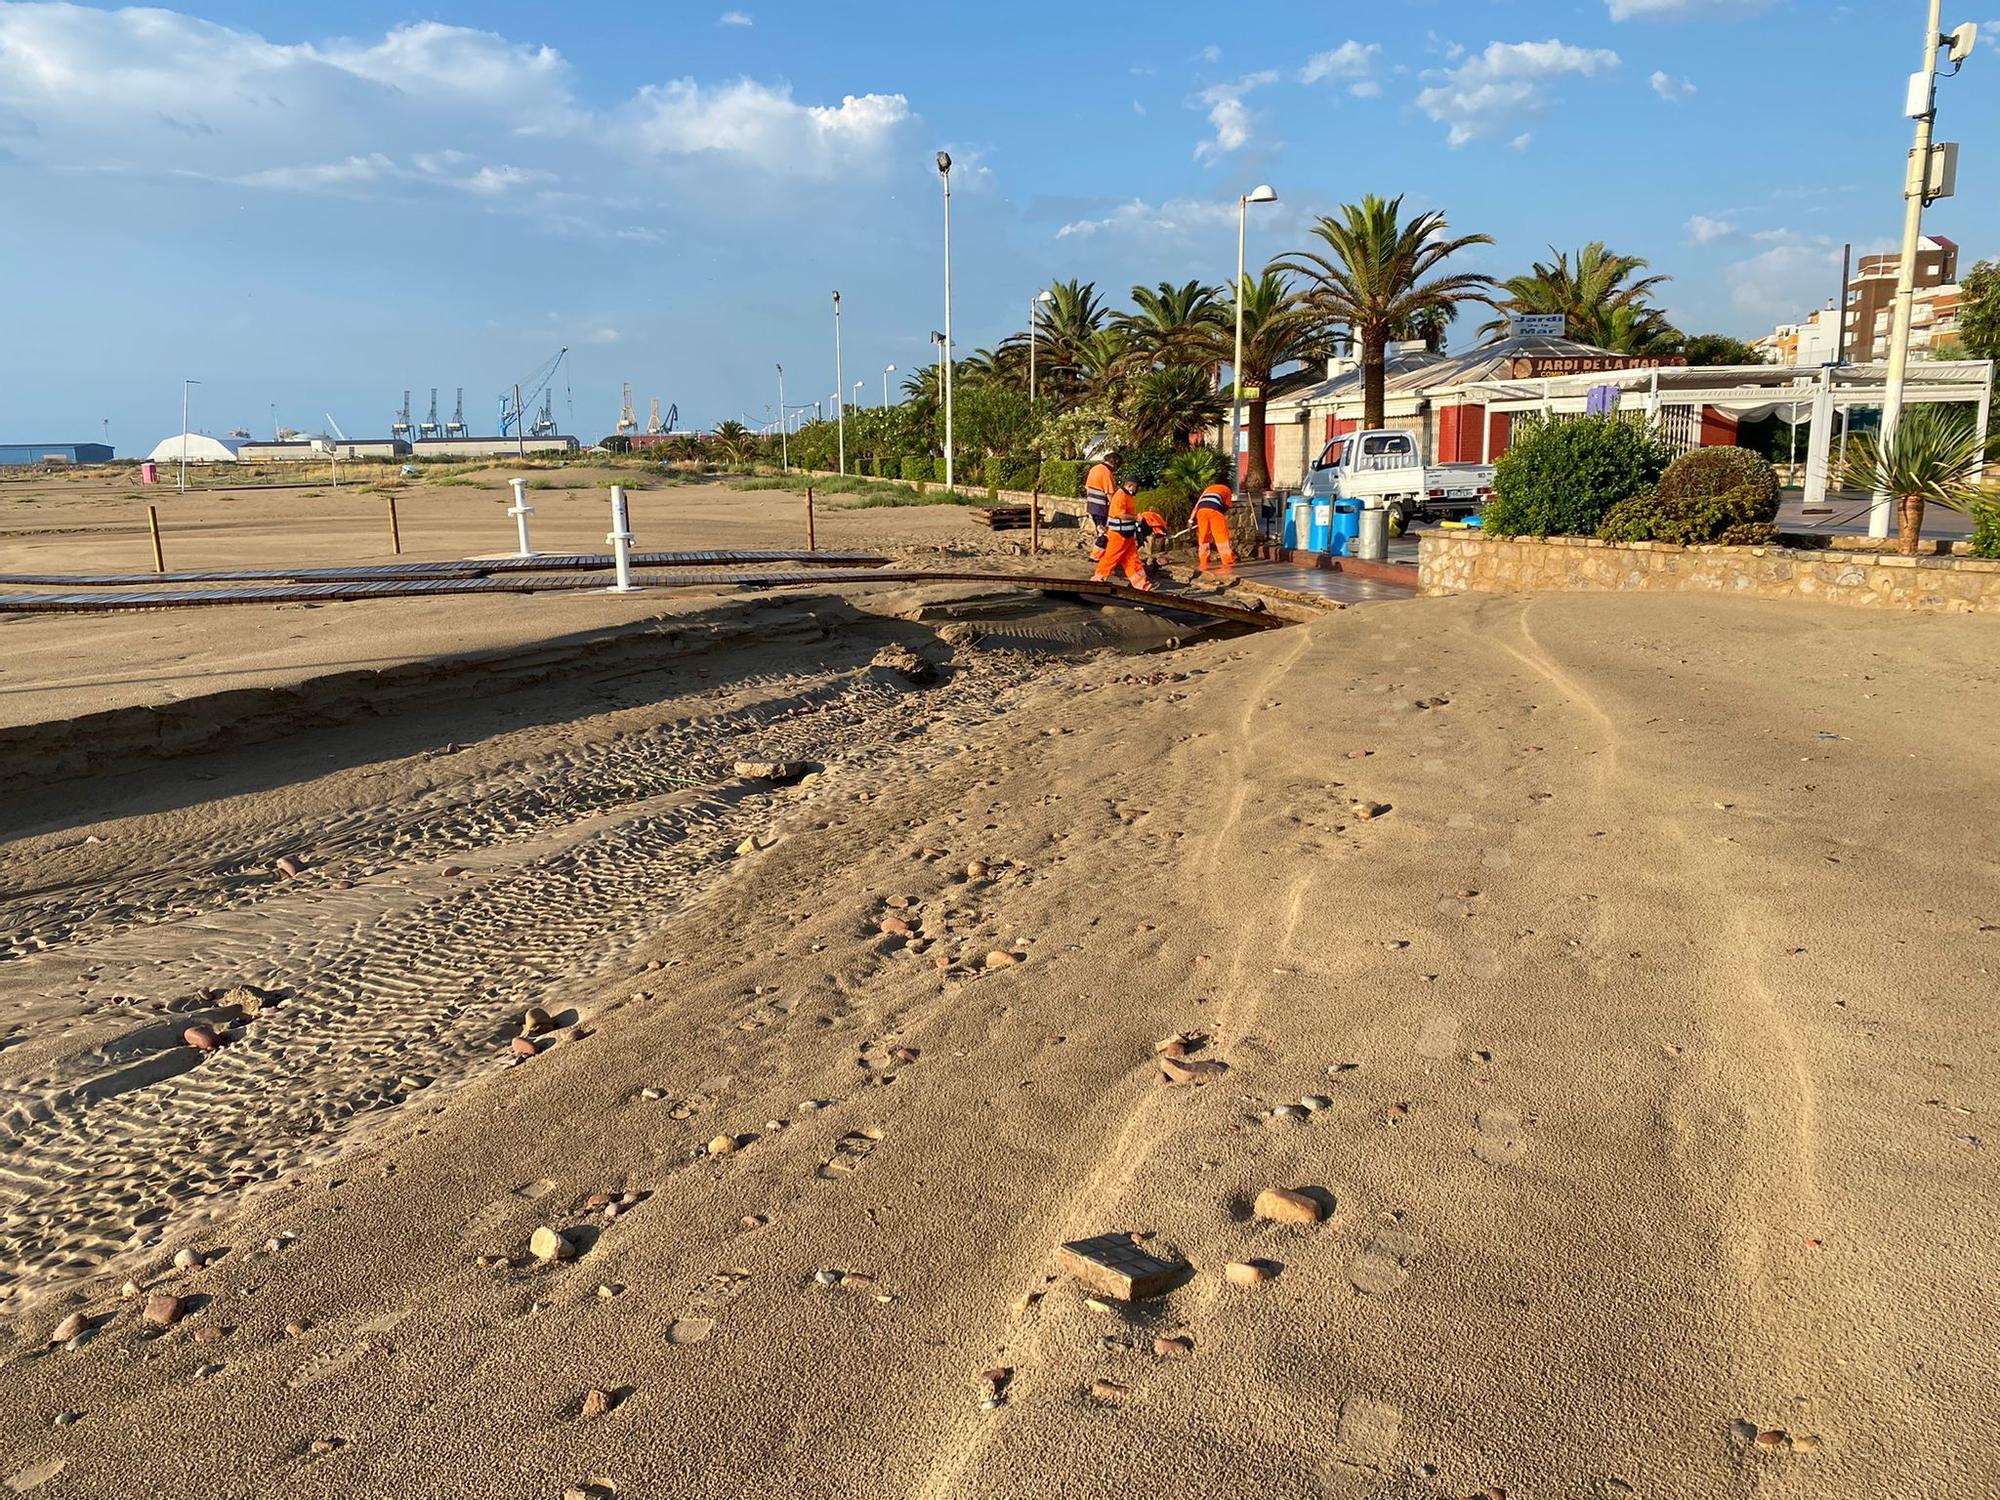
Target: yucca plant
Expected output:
[1933,456]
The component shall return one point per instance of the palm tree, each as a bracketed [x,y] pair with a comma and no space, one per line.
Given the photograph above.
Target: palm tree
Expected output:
[1171,322]
[1063,326]
[1429,324]
[733,441]
[1281,325]
[1588,293]
[1935,454]
[1639,330]
[1101,362]
[1168,404]
[1378,272]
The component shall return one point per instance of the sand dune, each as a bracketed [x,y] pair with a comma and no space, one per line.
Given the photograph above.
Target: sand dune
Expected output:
[1638,1038]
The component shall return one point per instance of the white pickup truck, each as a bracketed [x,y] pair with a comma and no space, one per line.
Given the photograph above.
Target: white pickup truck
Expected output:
[1381,468]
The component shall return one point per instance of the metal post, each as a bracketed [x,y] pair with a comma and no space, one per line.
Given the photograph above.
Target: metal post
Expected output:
[1840,316]
[810,546]
[784,427]
[620,539]
[395,529]
[153,525]
[1916,181]
[1238,467]
[1032,308]
[840,385]
[520,426]
[1035,522]
[520,510]
[944,170]
[184,432]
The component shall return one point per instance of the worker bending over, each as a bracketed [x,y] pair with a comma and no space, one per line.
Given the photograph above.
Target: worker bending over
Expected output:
[1121,548]
[1211,528]
[1097,489]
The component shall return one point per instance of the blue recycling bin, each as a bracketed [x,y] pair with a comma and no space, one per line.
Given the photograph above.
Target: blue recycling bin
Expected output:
[1319,531]
[1343,525]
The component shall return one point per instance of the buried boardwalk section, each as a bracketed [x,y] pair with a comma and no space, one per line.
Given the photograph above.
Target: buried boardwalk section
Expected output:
[1611,1004]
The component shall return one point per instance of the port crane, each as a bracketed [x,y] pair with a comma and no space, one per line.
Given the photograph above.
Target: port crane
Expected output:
[431,427]
[514,402]
[402,427]
[456,427]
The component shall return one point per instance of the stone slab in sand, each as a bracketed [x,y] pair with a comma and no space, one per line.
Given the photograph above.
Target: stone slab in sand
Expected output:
[1653,1033]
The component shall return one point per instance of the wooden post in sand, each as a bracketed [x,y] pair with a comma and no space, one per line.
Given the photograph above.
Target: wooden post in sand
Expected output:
[810,547]
[395,531]
[1035,523]
[153,525]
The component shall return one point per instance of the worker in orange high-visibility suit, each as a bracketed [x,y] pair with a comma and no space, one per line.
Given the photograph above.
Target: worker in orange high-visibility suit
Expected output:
[1097,487]
[1121,548]
[1211,528]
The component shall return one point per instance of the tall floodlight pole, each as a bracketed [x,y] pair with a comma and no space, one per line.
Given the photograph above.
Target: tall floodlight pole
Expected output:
[839,406]
[944,171]
[1034,321]
[784,427]
[887,371]
[1262,193]
[184,430]
[1917,191]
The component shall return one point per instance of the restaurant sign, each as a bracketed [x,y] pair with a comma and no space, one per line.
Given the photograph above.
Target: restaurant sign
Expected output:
[1539,366]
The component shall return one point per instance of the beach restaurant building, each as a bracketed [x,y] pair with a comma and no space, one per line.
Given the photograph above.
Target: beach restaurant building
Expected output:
[1463,407]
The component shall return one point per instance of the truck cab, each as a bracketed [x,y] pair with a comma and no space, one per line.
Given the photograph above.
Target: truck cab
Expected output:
[1381,468]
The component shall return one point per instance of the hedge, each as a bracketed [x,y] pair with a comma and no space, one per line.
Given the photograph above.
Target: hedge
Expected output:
[1705,472]
[918,470]
[1742,517]
[1063,477]
[1560,476]
[1986,531]
[1011,474]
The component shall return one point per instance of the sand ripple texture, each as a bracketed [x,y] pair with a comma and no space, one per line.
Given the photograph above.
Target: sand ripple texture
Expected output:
[396,977]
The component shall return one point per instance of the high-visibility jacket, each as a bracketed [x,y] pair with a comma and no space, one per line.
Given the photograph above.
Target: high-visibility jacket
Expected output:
[1123,519]
[1153,521]
[1099,483]
[1215,497]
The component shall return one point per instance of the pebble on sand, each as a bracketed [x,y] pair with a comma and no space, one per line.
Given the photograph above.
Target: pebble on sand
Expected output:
[1288,1206]
[69,1328]
[164,1309]
[202,1038]
[547,1244]
[722,1145]
[1367,810]
[771,770]
[999,960]
[289,865]
[1174,1346]
[1191,1070]
[523,1047]
[1248,1272]
[597,1401]
[1109,1392]
[187,1259]
[536,1021]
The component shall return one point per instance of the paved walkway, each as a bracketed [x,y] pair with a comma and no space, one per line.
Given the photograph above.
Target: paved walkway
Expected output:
[1322,583]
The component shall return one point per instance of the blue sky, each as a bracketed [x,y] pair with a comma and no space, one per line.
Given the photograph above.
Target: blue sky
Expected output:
[313,206]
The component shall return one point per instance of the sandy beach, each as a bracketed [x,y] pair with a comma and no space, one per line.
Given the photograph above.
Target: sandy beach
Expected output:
[1609,979]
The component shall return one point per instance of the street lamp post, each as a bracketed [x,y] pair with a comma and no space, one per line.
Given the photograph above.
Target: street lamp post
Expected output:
[1262,193]
[887,371]
[944,171]
[784,427]
[1917,191]
[839,407]
[184,431]
[1034,319]
[857,393]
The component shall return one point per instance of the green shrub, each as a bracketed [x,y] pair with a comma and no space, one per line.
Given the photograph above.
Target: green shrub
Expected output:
[1721,471]
[916,469]
[1064,477]
[1986,531]
[1560,476]
[1172,502]
[1195,469]
[1739,518]
[1011,473]
[1147,463]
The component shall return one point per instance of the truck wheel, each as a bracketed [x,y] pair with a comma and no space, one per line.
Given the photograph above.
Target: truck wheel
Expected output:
[1399,518]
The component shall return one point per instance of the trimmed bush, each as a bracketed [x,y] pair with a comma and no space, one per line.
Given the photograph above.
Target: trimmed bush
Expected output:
[1172,502]
[1011,473]
[1706,472]
[1986,531]
[917,469]
[1559,477]
[1740,518]
[1063,477]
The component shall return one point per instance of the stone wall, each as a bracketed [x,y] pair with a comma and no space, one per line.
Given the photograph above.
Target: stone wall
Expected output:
[1454,562]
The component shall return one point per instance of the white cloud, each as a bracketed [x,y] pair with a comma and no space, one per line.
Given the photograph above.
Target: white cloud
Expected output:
[760,125]
[1673,90]
[1209,54]
[1797,271]
[1706,231]
[1352,63]
[734,18]
[1176,216]
[154,91]
[1490,92]
[1676,10]
[1229,115]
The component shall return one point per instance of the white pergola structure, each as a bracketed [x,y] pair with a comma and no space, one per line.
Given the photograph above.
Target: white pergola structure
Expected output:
[1678,398]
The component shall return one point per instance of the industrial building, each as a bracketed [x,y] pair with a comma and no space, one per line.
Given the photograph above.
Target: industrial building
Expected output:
[21,455]
[319,450]
[492,447]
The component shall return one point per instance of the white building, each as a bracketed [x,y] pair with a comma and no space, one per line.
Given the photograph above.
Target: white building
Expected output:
[200,449]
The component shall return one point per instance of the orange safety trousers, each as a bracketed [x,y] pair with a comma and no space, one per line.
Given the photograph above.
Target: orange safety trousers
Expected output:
[1211,529]
[1121,551]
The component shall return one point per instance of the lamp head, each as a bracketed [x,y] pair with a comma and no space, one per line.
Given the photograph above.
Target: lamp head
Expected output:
[836,299]
[1045,296]
[944,161]
[1262,193]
